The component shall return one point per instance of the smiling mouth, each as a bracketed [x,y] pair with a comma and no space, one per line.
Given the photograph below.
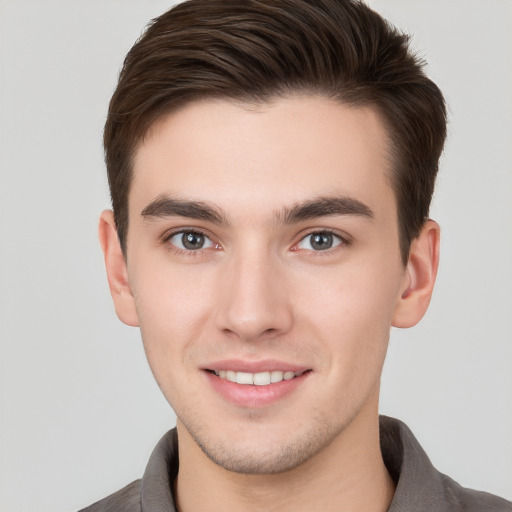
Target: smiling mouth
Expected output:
[257,379]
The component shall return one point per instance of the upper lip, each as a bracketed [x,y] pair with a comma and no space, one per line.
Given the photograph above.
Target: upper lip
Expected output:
[265,365]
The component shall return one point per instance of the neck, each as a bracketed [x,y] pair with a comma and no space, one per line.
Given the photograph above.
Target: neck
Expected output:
[349,474]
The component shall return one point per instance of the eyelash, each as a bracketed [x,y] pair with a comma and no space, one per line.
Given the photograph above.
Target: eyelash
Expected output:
[343,242]
[190,252]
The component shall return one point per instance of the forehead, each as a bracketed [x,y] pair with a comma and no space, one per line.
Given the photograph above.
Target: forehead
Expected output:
[267,155]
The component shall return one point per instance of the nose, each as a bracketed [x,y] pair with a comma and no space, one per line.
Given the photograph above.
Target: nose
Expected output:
[255,304]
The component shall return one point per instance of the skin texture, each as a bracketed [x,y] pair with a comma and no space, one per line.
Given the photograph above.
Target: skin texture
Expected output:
[260,292]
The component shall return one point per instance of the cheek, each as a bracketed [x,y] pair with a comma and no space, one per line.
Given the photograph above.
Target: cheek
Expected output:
[355,294]
[173,308]
[350,310]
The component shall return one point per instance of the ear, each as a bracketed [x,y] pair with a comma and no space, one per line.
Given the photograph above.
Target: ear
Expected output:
[117,273]
[419,278]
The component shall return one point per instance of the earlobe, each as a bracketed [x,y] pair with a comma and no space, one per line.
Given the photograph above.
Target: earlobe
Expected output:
[420,276]
[117,274]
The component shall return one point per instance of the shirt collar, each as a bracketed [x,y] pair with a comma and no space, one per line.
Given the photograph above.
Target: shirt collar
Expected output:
[157,490]
[419,486]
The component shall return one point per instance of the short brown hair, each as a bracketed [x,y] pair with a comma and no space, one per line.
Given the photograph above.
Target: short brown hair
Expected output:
[256,50]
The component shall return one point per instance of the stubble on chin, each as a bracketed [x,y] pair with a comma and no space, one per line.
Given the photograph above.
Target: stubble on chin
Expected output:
[260,453]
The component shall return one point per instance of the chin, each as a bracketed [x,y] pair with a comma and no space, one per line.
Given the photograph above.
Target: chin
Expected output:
[261,460]
[258,453]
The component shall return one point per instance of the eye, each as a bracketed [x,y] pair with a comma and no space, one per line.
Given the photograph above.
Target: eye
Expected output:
[190,241]
[320,241]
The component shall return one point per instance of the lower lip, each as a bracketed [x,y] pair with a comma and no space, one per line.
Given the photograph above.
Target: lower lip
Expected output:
[251,396]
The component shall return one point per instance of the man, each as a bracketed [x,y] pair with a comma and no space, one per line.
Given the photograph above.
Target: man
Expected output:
[271,166]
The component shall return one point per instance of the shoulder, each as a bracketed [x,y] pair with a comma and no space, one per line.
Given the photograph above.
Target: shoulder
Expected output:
[125,500]
[154,490]
[470,500]
[419,485]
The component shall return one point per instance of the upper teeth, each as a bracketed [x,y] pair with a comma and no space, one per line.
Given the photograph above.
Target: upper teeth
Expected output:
[258,379]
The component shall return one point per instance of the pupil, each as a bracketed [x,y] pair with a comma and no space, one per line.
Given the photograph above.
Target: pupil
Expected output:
[192,240]
[321,241]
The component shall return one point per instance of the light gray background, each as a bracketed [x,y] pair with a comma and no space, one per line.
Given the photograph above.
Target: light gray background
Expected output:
[79,412]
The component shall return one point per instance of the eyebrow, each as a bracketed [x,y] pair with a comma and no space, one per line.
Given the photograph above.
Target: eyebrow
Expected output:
[324,207]
[164,206]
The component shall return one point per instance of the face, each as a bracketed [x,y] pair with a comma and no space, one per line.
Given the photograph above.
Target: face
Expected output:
[264,269]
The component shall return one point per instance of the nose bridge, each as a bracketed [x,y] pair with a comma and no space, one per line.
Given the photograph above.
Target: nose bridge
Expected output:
[255,300]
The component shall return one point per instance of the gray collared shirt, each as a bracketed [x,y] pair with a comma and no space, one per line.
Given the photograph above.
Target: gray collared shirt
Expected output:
[419,486]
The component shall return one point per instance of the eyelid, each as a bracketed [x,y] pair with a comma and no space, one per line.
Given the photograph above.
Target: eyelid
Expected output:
[168,235]
[345,240]
[208,243]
